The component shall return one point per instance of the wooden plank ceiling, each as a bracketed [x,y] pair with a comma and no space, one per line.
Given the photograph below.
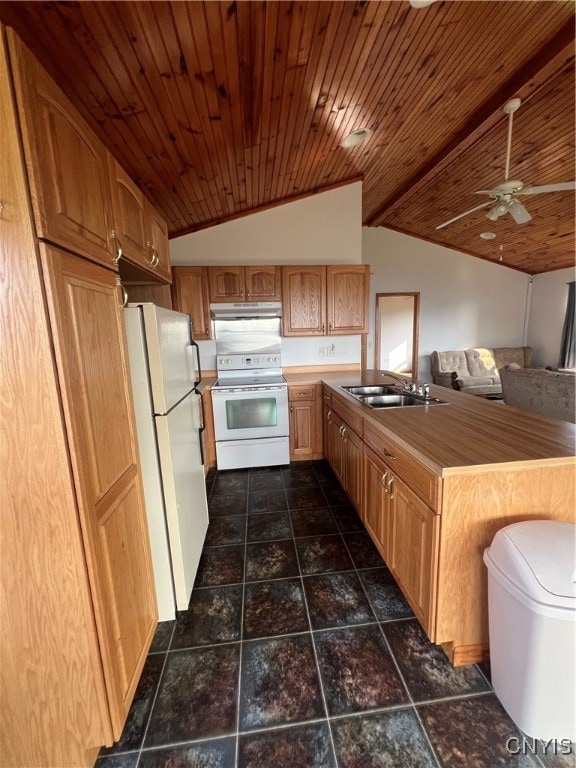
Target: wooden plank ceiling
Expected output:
[218,109]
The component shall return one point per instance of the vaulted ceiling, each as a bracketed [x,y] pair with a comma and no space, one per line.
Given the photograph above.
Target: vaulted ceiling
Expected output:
[219,109]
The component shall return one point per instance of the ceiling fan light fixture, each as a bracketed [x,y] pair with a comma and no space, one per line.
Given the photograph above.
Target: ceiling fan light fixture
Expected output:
[493,214]
[355,138]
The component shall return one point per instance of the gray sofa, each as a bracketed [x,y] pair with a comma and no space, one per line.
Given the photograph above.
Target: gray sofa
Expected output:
[475,371]
[550,393]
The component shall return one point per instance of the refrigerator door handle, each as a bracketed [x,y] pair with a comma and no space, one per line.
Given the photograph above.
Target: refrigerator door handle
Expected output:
[203,424]
[199,367]
[202,427]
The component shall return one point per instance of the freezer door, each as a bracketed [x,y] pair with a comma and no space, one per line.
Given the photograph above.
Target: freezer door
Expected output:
[171,356]
[184,492]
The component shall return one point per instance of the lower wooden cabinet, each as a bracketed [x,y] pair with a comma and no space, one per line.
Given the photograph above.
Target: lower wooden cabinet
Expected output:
[414,556]
[346,457]
[376,509]
[305,422]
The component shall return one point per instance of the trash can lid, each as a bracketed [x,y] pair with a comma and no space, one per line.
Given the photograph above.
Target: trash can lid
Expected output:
[548,548]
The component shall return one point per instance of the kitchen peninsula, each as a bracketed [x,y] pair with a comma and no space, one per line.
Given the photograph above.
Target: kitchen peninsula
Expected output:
[433,484]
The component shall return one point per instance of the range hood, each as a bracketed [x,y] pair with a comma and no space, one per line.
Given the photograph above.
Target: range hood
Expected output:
[245,310]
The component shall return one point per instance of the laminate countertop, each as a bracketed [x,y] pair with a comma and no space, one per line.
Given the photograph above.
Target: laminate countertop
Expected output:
[467,433]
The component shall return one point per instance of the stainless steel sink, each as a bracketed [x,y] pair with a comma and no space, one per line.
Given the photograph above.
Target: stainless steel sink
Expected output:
[377,389]
[379,396]
[392,401]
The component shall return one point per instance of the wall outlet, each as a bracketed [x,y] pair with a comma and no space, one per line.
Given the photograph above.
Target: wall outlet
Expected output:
[321,351]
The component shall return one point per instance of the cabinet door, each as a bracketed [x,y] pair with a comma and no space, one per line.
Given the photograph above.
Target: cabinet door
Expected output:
[304,301]
[352,466]
[376,512]
[66,164]
[302,423]
[226,284]
[157,247]
[415,551]
[327,417]
[130,230]
[92,370]
[52,698]
[337,447]
[262,283]
[347,298]
[190,292]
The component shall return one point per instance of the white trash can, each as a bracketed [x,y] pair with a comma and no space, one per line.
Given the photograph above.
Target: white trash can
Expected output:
[532,619]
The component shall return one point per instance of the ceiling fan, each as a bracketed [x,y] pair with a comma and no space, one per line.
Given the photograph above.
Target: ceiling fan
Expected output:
[503,198]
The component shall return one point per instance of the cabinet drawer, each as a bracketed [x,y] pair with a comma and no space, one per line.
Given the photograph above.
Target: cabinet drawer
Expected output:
[425,484]
[347,414]
[302,392]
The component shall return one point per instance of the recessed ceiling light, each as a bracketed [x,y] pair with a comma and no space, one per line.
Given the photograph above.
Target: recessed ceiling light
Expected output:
[420,3]
[356,137]
[487,235]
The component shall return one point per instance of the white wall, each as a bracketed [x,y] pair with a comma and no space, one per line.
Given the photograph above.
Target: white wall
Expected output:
[464,301]
[546,318]
[321,229]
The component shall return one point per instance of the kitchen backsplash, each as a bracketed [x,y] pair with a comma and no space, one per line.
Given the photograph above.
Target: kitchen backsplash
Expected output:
[319,350]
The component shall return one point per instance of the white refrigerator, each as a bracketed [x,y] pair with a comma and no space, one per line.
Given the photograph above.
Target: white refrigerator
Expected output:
[168,410]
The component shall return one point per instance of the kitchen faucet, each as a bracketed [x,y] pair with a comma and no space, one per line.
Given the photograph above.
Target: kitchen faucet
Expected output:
[423,390]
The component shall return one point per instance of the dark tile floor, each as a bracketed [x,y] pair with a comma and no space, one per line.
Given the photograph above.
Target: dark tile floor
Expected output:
[298,650]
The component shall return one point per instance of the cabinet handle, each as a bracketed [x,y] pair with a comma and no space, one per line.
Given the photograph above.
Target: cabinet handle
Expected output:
[389,486]
[323,328]
[344,433]
[330,328]
[383,481]
[124,292]
[388,455]
[119,251]
[154,257]
[340,430]
[291,409]
[329,416]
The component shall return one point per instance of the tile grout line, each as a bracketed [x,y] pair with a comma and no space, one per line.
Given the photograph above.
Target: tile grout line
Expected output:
[160,677]
[412,705]
[316,662]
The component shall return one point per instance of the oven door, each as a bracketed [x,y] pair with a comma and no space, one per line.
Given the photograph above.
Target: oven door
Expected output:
[250,413]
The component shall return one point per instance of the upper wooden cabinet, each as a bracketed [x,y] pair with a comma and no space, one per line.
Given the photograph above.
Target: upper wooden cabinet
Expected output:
[157,242]
[324,301]
[190,295]
[347,289]
[304,301]
[235,284]
[65,161]
[139,232]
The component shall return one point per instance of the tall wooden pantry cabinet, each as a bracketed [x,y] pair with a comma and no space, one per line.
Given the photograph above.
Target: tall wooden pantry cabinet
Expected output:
[77,603]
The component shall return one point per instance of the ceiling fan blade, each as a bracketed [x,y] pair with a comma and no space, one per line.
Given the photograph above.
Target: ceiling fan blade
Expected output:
[518,212]
[564,186]
[461,215]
